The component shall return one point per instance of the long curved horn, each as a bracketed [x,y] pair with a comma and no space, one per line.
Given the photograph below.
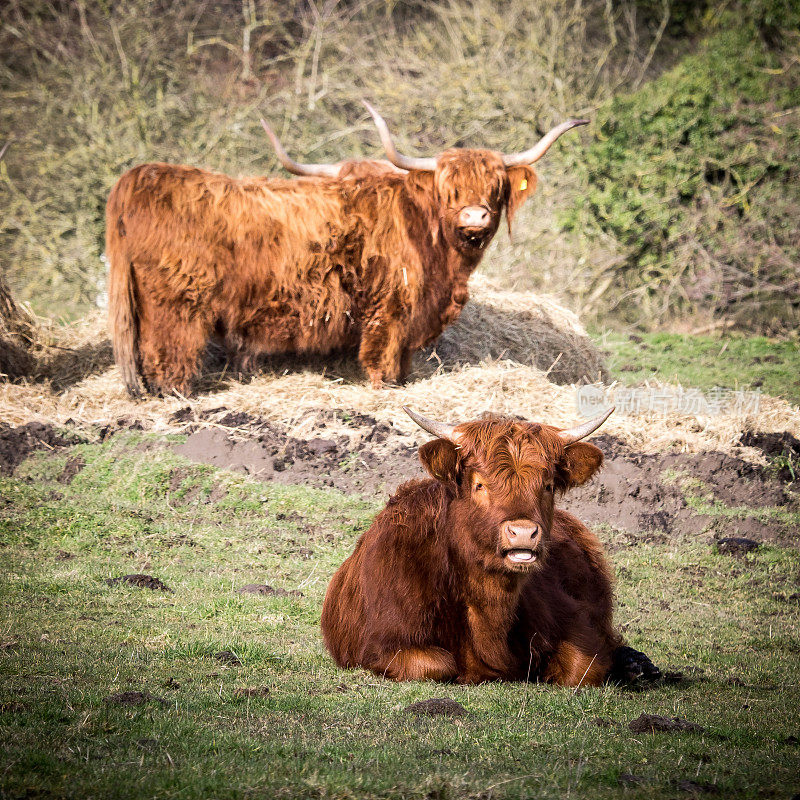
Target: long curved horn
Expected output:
[573,435]
[543,145]
[307,170]
[399,160]
[440,429]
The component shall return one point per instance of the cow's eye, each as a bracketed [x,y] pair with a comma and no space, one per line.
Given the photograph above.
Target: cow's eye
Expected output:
[549,488]
[478,486]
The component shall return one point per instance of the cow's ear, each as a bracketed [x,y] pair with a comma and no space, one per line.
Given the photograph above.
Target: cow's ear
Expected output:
[579,463]
[522,183]
[440,459]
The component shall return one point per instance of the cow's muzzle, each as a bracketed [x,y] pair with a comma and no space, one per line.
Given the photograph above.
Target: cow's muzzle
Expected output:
[474,225]
[521,544]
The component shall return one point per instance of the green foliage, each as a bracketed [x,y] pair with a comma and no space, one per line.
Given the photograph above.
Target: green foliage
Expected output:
[286,722]
[696,176]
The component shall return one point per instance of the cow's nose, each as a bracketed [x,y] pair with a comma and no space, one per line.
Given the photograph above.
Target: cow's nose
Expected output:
[523,536]
[474,217]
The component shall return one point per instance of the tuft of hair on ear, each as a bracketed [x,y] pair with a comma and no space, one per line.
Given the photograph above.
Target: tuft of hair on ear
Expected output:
[440,459]
[579,463]
[521,184]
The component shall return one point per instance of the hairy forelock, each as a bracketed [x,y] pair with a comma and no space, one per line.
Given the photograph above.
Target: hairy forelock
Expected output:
[479,171]
[509,453]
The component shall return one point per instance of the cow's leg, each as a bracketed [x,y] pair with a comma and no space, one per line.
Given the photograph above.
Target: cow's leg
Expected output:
[382,345]
[417,664]
[571,665]
[405,363]
[631,666]
[170,345]
[485,655]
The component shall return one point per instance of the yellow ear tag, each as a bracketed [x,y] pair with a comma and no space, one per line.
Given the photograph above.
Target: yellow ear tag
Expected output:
[524,185]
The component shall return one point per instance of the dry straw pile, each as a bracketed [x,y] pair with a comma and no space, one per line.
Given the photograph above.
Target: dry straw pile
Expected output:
[511,353]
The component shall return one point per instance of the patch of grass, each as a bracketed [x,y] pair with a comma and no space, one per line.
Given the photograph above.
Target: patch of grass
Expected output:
[704,362]
[716,508]
[307,729]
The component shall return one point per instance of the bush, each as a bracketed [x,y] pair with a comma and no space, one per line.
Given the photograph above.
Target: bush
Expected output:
[696,176]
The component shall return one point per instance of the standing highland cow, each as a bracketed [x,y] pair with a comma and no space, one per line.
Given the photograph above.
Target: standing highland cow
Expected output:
[475,575]
[272,266]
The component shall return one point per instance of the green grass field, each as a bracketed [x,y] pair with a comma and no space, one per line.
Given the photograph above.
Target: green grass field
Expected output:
[285,722]
[703,362]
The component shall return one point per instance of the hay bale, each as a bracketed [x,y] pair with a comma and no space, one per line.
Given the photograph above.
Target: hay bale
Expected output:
[68,354]
[521,327]
[43,350]
[16,336]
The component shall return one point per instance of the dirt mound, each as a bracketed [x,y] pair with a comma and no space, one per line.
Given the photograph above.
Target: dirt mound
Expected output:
[653,723]
[646,493]
[134,699]
[783,446]
[16,444]
[141,582]
[352,452]
[643,497]
[436,707]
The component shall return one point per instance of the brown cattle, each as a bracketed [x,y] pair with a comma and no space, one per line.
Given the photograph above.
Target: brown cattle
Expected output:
[475,575]
[271,266]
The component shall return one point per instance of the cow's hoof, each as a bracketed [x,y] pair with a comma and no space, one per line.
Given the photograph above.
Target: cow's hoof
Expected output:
[388,384]
[631,667]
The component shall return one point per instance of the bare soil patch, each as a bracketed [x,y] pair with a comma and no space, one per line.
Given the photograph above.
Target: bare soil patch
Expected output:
[17,443]
[228,657]
[636,493]
[266,590]
[351,452]
[141,581]
[653,723]
[133,699]
[436,707]
[73,466]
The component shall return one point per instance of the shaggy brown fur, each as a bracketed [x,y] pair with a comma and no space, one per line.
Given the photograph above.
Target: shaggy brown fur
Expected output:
[374,260]
[434,589]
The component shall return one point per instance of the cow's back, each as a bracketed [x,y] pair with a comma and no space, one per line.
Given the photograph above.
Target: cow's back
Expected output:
[342,618]
[203,230]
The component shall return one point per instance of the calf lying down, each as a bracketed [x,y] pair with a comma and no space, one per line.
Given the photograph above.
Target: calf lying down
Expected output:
[475,575]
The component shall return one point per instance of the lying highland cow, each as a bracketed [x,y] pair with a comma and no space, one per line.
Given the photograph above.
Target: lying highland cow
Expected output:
[374,257]
[474,575]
